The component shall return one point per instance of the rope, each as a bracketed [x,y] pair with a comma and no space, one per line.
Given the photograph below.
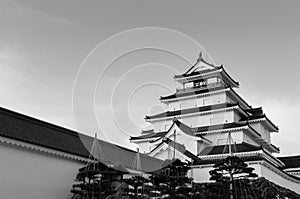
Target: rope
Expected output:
[137,162]
[97,152]
[241,189]
[235,189]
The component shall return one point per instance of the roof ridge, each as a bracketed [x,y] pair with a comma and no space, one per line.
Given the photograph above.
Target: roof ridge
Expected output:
[199,59]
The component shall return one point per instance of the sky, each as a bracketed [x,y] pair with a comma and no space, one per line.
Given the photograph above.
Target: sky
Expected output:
[73,63]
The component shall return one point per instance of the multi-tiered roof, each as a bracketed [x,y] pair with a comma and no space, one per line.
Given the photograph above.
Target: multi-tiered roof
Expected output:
[205,79]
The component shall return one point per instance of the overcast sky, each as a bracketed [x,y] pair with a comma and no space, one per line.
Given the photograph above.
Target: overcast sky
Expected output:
[43,44]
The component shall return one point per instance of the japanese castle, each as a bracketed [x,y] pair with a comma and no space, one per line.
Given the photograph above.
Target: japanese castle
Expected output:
[206,121]
[205,116]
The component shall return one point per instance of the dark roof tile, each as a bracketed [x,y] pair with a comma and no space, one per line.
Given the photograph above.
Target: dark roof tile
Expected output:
[190,110]
[196,92]
[290,161]
[151,135]
[223,149]
[30,130]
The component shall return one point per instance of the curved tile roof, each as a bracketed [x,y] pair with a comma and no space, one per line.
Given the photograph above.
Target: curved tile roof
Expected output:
[23,128]
[191,110]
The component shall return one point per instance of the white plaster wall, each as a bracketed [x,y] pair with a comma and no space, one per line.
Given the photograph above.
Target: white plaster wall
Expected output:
[144,147]
[230,100]
[257,167]
[279,180]
[248,139]
[168,153]
[260,128]
[237,117]
[202,175]
[189,142]
[297,175]
[162,125]
[28,174]
[197,102]
[197,120]
[222,138]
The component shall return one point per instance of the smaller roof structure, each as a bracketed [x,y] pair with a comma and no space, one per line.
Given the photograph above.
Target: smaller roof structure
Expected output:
[181,148]
[202,69]
[177,146]
[183,127]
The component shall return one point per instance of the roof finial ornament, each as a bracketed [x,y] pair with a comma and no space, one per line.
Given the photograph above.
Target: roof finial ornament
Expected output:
[200,57]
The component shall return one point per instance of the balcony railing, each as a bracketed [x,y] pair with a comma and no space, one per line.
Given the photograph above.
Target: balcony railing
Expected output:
[202,87]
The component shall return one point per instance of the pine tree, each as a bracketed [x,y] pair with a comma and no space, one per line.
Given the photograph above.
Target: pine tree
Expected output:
[234,165]
[230,170]
[174,176]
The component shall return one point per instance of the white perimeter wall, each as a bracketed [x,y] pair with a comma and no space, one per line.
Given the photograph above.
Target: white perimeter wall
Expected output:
[28,174]
[279,180]
[198,102]
[201,174]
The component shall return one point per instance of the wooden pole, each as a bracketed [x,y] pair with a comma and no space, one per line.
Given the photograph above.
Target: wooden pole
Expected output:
[174,144]
[230,171]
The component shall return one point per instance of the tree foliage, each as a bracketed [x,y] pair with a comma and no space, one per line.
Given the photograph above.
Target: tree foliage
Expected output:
[172,179]
[101,181]
[234,165]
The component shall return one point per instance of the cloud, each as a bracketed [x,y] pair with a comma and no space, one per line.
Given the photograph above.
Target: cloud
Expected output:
[14,11]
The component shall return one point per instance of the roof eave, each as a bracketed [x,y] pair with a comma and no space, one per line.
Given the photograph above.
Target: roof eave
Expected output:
[229,78]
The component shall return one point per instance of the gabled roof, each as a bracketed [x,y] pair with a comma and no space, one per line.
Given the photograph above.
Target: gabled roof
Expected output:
[223,149]
[179,147]
[196,74]
[193,69]
[19,127]
[188,130]
[196,66]
[191,110]
[184,128]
